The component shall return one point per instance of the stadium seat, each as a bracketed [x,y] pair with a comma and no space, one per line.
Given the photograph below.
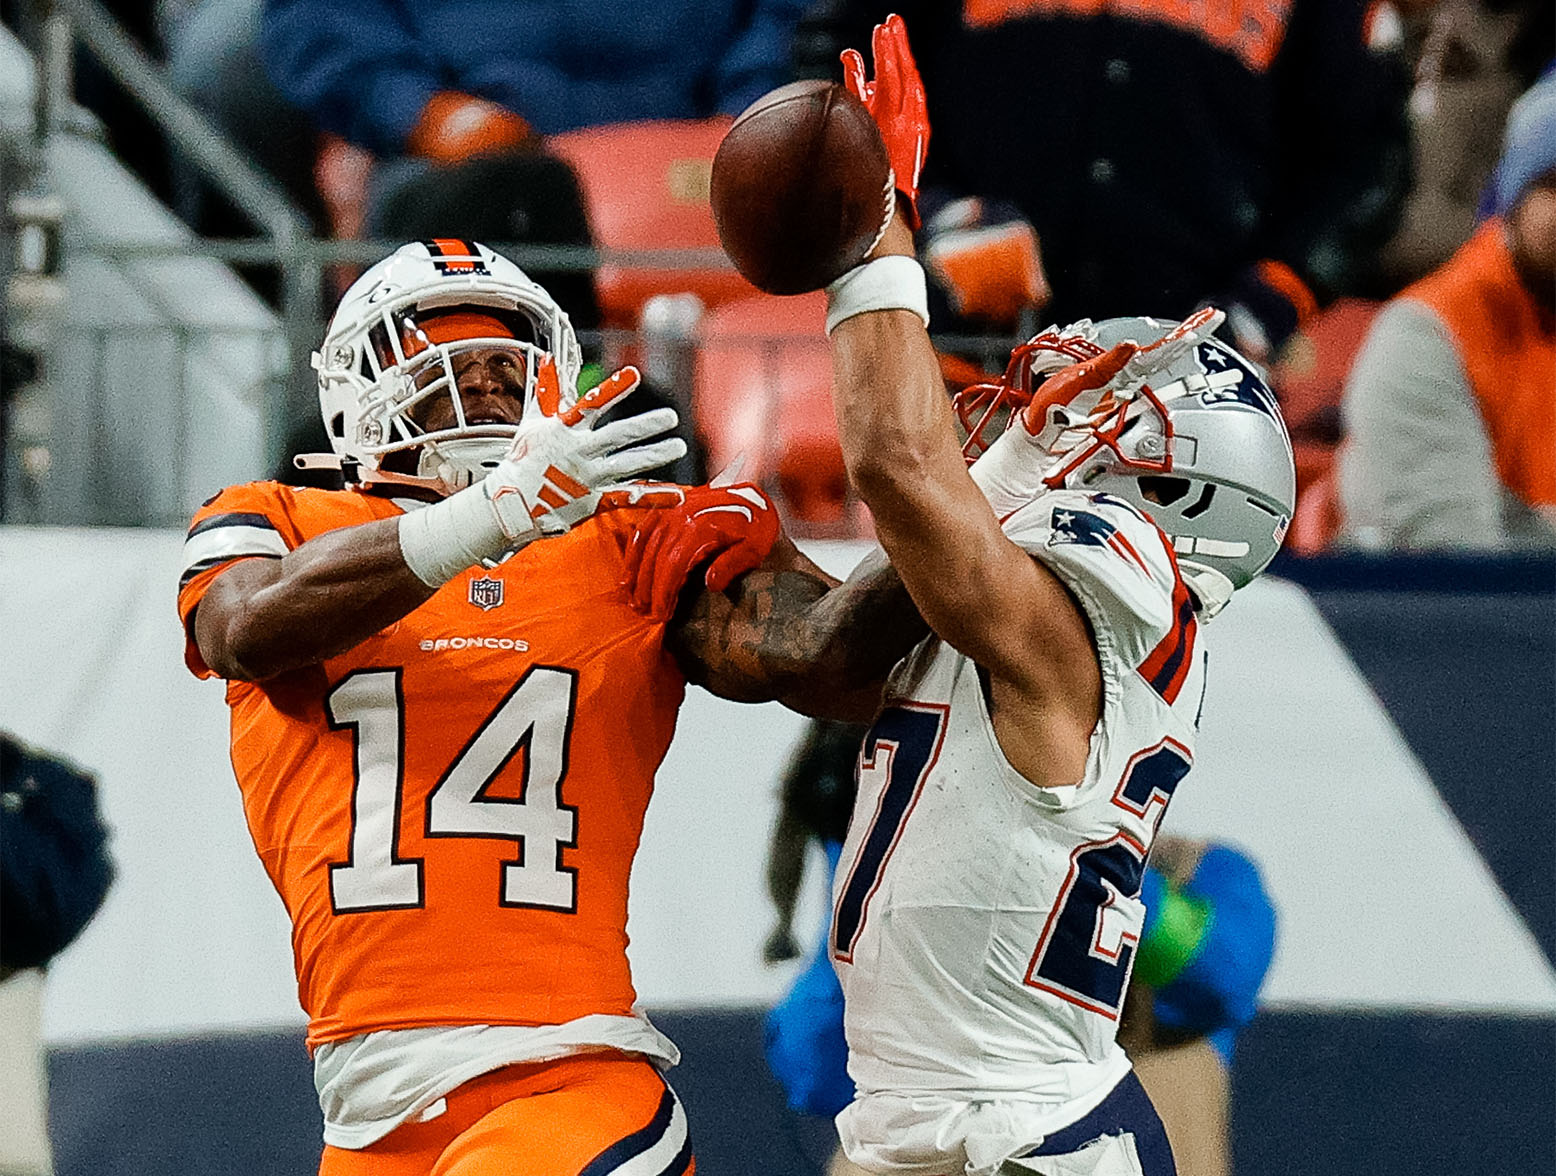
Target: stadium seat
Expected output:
[646,184]
[763,388]
[1310,382]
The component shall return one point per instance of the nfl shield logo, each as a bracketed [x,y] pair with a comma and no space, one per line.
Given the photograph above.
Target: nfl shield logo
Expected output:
[486,593]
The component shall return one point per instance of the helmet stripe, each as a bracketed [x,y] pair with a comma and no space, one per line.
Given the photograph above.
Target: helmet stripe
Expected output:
[447,247]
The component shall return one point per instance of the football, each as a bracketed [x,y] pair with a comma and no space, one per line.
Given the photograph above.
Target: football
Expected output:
[801,187]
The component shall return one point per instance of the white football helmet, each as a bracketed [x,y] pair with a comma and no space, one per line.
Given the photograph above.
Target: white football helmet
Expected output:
[381,359]
[1188,432]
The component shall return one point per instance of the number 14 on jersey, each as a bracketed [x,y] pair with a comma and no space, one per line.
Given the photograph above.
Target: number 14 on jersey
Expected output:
[534,719]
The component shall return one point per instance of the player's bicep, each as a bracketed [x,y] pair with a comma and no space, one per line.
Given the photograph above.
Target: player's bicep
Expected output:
[220,612]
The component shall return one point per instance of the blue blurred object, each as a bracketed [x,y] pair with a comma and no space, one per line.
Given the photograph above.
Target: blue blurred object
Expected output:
[54,865]
[1214,995]
[366,68]
[1529,143]
[804,1034]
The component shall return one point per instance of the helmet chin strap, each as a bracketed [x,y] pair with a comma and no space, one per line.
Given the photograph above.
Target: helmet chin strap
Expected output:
[462,461]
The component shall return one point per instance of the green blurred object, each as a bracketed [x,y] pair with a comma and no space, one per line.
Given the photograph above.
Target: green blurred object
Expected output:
[1175,940]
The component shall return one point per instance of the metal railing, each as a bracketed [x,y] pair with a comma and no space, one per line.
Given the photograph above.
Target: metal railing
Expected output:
[306,267]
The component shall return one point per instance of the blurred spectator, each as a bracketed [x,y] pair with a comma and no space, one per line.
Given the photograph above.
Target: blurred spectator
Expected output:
[1472,60]
[1207,942]
[433,83]
[54,873]
[1253,156]
[1449,410]
[443,80]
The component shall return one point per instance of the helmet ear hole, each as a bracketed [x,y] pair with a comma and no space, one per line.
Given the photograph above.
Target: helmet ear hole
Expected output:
[1202,504]
[1161,490]
[338,425]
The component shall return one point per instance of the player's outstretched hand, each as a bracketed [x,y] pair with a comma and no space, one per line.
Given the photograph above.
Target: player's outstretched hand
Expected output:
[560,469]
[1010,472]
[1074,399]
[733,526]
[895,99]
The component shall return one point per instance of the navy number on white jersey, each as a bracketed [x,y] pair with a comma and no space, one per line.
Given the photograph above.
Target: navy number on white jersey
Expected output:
[902,746]
[1088,943]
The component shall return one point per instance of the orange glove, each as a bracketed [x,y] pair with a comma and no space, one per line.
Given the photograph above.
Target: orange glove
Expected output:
[734,526]
[1068,383]
[454,127]
[895,99]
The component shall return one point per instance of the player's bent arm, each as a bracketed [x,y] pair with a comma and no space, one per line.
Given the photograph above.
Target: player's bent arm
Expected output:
[263,616]
[977,590]
[791,634]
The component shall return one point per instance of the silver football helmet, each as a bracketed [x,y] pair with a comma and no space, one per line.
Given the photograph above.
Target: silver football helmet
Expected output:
[391,351]
[1188,432]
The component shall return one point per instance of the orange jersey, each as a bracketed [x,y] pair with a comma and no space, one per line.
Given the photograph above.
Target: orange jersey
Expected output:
[450,810]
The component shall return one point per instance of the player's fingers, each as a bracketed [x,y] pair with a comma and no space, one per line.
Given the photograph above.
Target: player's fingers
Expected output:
[853,75]
[648,566]
[665,568]
[548,389]
[1102,368]
[659,495]
[907,65]
[632,463]
[674,569]
[888,77]
[630,430]
[632,557]
[731,564]
[897,30]
[1068,383]
[615,386]
[652,495]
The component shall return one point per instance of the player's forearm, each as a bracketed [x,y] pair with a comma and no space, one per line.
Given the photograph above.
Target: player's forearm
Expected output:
[858,631]
[789,636]
[262,618]
[894,421]
[899,445]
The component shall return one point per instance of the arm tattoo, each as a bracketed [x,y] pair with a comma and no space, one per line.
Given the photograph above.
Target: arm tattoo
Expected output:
[783,634]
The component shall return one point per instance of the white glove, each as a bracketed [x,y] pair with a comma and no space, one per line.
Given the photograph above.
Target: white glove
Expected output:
[1011,471]
[558,472]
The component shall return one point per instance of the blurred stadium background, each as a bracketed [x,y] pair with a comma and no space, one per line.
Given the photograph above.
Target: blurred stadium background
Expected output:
[1379,734]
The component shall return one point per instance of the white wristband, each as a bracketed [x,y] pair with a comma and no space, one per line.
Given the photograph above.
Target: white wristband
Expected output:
[442,540]
[887,283]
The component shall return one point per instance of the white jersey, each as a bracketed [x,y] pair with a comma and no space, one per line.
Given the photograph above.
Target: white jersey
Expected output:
[984,928]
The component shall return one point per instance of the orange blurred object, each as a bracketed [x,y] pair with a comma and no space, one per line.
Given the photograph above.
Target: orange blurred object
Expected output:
[991,272]
[454,127]
[764,390]
[1309,380]
[646,186]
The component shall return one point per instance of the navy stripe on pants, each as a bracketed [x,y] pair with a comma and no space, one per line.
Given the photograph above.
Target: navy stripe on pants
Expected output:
[1126,1109]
